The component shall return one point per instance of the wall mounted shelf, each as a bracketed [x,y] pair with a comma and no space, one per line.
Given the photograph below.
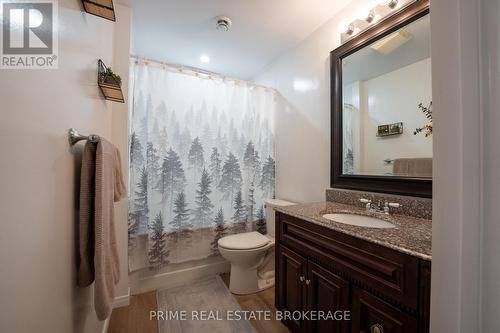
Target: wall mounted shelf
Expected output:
[101,8]
[110,86]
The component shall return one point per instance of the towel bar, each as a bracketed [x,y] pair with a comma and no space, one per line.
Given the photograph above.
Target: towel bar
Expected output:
[74,137]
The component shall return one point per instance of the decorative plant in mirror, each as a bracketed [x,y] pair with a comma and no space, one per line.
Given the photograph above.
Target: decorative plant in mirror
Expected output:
[427,128]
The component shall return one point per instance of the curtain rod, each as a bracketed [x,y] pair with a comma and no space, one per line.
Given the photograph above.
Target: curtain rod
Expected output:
[197,71]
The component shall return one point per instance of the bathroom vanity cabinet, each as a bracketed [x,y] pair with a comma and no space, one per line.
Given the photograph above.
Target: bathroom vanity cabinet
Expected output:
[320,269]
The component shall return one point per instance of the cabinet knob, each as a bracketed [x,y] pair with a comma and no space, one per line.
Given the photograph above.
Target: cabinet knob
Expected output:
[308,282]
[301,279]
[376,328]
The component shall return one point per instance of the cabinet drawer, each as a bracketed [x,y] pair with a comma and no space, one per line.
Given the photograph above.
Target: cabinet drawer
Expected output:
[372,315]
[366,264]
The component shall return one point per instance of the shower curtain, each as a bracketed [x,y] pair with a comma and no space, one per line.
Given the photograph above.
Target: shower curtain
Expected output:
[201,162]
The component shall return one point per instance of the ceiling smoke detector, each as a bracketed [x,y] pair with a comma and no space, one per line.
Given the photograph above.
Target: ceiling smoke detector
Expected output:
[223,23]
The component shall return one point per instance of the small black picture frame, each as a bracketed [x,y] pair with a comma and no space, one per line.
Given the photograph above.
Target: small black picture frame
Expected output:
[390,130]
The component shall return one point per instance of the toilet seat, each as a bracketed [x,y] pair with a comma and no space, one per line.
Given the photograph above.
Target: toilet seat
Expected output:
[244,241]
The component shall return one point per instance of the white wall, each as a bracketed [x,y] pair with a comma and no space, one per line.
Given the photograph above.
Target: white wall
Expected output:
[302,76]
[490,238]
[39,179]
[119,137]
[392,98]
[455,305]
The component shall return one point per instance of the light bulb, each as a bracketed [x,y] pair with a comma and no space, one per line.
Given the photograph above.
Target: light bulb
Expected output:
[205,59]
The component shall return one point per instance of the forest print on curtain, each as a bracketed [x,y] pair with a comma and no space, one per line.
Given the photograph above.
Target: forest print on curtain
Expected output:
[201,162]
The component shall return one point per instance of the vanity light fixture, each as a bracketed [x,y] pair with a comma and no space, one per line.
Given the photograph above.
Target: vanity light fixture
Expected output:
[350,29]
[205,59]
[376,14]
[371,16]
[393,4]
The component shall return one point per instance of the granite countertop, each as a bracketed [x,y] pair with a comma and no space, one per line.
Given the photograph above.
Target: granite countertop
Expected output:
[411,235]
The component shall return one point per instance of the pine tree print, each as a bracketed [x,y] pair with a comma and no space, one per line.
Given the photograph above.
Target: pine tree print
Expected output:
[250,203]
[249,159]
[172,179]
[141,208]
[136,156]
[137,110]
[133,224]
[221,143]
[143,133]
[231,177]
[161,112]
[195,157]
[181,228]
[219,231]
[256,167]
[163,143]
[240,146]
[239,209]
[207,137]
[267,180]
[133,229]
[203,211]
[155,135]
[158,253]
[184,142]
[204,167]
[153,164]
[215,165]
[261,221]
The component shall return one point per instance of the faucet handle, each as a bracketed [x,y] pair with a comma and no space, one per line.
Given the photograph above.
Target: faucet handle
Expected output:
[368,203]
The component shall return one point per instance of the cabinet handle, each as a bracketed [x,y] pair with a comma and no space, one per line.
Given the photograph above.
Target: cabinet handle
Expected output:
[309,281]
[301,279]
[376,328]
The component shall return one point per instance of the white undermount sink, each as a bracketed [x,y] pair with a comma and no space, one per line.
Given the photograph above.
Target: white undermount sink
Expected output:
[359,220]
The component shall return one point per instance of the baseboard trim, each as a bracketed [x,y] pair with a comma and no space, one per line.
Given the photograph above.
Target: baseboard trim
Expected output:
[105,326]
[176,278]
[122,301]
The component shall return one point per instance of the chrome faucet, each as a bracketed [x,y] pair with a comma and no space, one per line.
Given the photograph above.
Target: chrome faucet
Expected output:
[377,208]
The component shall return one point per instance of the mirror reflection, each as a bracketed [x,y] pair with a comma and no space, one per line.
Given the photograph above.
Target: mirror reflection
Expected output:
[387,105]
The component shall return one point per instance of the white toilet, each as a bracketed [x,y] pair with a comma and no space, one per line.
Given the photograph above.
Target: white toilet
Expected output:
[251,255]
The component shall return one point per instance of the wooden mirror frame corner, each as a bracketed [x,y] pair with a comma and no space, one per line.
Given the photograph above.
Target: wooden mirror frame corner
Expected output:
[418,187]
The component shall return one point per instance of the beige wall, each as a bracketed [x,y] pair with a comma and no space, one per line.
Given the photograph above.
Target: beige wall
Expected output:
[39,178]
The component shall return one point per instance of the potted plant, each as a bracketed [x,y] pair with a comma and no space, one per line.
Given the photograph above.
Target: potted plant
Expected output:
[427,128]
[111,77]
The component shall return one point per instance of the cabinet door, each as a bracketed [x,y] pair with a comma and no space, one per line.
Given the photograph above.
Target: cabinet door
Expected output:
[327,292]
[290,291]
[372,315]
[425,297]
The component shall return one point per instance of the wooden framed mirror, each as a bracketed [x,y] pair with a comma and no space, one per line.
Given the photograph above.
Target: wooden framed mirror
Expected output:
[381,106]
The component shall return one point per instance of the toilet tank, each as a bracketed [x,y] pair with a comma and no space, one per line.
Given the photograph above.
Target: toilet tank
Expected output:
[270,214]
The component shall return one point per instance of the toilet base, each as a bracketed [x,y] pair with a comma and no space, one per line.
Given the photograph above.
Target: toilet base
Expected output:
[245,281]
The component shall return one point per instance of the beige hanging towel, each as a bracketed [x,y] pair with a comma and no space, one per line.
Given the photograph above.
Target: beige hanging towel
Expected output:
[413,167]
[101,185]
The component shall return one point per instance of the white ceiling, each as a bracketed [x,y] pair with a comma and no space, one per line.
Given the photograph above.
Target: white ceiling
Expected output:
[180,31]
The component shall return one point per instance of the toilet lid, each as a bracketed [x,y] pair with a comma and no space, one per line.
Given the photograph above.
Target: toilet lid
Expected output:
[244,241]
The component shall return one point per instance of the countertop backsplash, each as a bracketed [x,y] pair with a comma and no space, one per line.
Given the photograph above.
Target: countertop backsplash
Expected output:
[410,206]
